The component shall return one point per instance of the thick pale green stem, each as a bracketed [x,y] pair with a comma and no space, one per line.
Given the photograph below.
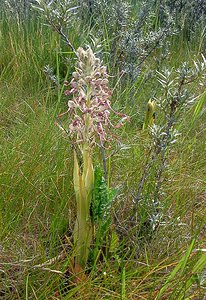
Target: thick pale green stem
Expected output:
[83,186]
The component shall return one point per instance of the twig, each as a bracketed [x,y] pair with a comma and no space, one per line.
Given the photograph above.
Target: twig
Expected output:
[51,261]
[145,174]
[67,41]
[53,271]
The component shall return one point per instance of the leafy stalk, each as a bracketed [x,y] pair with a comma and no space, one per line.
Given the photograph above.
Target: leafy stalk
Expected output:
[83,186]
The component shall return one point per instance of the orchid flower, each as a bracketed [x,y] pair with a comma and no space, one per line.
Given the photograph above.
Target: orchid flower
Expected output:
[89,110]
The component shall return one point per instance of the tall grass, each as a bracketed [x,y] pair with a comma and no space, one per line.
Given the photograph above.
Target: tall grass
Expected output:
[37,198]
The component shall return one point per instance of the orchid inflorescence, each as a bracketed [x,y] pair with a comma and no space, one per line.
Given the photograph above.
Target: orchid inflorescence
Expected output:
[90,105]
[89,112]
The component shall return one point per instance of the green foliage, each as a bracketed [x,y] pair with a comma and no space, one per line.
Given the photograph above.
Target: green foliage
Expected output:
[102,198]
[185,274]
[36,194]
[100,210]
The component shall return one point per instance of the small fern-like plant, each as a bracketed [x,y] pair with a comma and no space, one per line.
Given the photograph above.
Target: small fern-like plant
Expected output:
[100,209]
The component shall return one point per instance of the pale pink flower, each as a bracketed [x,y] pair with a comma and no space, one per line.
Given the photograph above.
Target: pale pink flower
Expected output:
[89,108]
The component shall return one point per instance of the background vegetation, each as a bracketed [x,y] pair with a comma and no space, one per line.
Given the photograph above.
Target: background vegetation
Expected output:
[154,247]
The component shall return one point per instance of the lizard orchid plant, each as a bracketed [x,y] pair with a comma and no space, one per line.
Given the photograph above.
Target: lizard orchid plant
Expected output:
[89,112]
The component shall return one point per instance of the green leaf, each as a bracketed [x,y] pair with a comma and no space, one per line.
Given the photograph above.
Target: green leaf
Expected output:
[180,267]
[102,198]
